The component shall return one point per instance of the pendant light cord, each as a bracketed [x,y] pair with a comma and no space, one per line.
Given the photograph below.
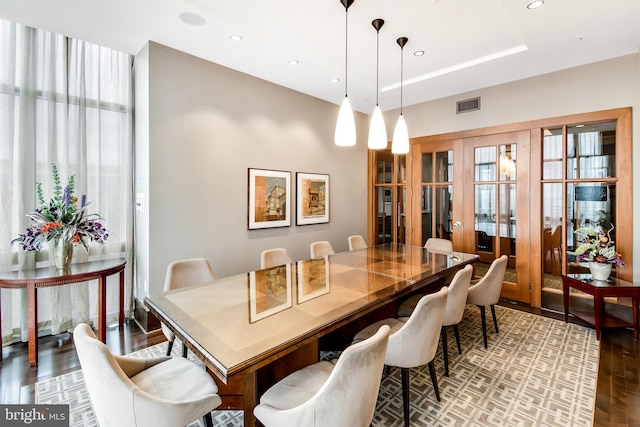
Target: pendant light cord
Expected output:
[377,64]
[401,75]
[346,49]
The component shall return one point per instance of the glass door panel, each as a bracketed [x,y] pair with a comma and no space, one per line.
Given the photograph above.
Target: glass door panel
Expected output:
[401,214]
[552,154]
[591,151]
[426,213]
[444,203]
[383,205]
[436,195]
[485,221]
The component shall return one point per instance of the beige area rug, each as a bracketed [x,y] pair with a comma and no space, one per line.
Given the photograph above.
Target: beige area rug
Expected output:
[536,372]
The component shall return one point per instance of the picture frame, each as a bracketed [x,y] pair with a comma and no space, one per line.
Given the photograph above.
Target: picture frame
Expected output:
[269,203]
[313,279]
[312,198]
[269,292]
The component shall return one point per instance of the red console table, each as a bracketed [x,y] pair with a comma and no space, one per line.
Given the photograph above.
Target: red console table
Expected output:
[33,279]
[599,290]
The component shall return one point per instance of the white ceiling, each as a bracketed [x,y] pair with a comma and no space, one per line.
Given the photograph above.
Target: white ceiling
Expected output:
[453,33]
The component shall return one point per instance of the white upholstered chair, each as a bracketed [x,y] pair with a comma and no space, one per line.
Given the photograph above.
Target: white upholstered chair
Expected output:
[156,392]
[183,273]
[320,249]
[413,341]
[487,292]
[439,246]
[274,257]
[357,242]
[456,301]
[324,394]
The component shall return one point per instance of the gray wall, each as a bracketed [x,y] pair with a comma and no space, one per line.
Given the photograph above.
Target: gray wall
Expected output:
[207,125]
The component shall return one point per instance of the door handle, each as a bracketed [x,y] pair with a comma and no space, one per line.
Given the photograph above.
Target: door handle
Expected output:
[457,224]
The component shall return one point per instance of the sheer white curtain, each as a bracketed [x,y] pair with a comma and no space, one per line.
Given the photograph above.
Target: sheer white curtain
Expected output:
[69,103]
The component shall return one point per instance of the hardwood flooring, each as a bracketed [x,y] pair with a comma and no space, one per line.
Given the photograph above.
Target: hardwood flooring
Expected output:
[617,394]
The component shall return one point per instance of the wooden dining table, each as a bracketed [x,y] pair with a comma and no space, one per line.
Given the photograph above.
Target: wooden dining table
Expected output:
[253,329]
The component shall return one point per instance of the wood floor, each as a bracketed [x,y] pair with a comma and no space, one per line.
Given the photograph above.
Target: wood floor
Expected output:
[617,395]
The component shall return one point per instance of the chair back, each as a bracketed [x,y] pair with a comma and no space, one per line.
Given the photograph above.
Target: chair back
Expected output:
[110,389]
[457,299]
[183,273]
[439,246]
[274,257]
[187,272]
[357,242]
[487,290]
[415,344]
[320,249]
[349,395]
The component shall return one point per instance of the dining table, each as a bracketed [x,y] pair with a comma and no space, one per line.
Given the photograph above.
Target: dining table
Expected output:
[255,328]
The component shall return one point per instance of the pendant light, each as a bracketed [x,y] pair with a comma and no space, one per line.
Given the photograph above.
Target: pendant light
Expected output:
[400,144]
[377,129]
[346,125]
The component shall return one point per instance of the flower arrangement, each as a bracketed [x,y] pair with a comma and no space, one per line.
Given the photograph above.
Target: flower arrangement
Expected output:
[62,218]
[597,246]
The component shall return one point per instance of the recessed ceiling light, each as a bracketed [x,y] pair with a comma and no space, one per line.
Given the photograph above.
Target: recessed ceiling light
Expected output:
[418,53]
[335,80]
[235,37]
[191,18]
[293,62]
[535,4]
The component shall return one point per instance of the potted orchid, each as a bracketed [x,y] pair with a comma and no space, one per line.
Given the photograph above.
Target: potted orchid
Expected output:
[63,222]
[597,248]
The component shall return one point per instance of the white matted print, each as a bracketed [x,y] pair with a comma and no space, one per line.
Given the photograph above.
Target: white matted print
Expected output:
[269,198]
[269,292]
[312,198]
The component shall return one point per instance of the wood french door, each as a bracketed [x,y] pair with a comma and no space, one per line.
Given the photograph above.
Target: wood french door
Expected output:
[468,190]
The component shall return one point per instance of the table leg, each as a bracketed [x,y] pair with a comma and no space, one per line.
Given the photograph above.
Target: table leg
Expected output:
[565,298]
[250,392]
[102,308]
[597,308]
[121,315]
[634,301]
[32,297]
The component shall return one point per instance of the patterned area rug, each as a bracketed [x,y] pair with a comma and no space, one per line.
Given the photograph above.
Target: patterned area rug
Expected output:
[536,372]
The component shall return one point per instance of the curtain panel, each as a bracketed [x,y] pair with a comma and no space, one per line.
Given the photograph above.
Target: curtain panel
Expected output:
[69,103]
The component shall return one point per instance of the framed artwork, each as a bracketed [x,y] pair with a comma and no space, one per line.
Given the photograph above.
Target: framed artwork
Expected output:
[269,198]
[269,292]
[312,198]
[313,279]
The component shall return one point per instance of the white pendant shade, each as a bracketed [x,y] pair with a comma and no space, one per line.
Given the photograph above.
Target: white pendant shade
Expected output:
[346,125]
[377,131]
[400,144]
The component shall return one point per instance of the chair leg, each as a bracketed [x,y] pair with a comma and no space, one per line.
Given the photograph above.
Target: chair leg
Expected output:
[169,347]
[445,353]
[483,318]
[434,380]
[405,394]
[208,421]
[495,320]
[457,334]
[184,350]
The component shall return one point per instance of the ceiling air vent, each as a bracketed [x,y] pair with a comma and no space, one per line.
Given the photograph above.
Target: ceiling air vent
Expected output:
[467,105]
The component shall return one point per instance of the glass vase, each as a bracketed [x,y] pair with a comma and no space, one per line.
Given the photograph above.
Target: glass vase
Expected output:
[60,253]
[600,271]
